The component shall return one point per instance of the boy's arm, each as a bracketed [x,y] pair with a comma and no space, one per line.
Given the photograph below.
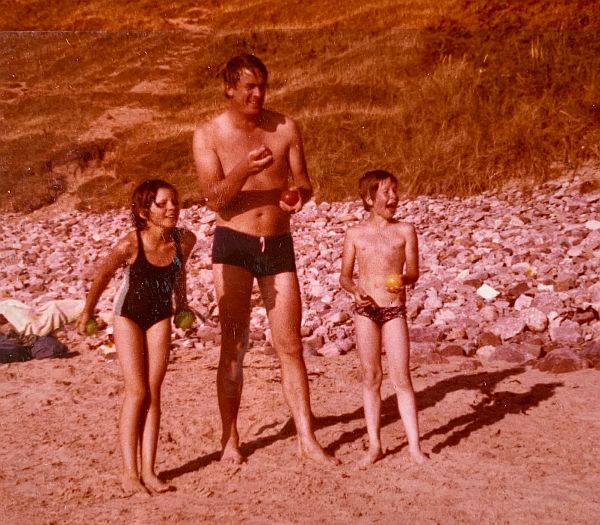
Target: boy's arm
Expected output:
[412,256]
[107,269]
[188,240]
[347,271]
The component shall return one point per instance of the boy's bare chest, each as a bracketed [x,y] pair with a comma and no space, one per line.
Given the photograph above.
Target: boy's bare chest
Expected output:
[381,245]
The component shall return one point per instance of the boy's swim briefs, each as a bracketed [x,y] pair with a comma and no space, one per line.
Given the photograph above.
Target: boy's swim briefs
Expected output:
[381,314]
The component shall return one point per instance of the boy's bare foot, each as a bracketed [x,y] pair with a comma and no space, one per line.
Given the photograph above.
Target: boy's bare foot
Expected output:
[418,456]
[315,452]
[231,454]
[155,484]
[132,486]
[372,455]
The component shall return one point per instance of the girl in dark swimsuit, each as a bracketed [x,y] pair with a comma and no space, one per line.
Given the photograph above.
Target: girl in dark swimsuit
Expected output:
[154,257]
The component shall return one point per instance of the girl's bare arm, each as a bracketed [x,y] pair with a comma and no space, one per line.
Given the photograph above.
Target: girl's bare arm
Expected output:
[118,256]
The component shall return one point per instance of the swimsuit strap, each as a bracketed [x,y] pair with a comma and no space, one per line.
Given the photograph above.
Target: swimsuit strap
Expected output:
[176,236]
[141,256]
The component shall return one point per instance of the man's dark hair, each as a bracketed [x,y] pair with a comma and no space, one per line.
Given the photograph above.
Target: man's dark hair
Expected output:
[369,184]
[233,69]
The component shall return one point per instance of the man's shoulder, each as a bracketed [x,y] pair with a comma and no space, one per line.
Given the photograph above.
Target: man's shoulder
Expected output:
[211,124]
[207,133]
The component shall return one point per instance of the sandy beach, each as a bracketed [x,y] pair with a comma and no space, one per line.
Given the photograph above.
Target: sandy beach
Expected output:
[509,441]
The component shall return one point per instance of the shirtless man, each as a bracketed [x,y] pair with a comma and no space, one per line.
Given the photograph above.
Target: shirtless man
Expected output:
[245,157]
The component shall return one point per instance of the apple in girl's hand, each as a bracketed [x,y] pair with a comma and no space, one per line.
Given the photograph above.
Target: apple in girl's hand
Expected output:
[91,327]
[290,197]
[394,282]
[184,319]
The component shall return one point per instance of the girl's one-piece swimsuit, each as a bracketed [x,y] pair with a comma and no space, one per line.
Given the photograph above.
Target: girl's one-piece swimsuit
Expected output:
[145,297]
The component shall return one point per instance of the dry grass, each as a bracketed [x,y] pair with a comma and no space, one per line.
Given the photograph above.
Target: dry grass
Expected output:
[455,97]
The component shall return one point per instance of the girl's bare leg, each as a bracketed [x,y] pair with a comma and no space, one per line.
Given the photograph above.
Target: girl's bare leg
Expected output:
[129,340]
[368,343]
[158,344]
[397,346]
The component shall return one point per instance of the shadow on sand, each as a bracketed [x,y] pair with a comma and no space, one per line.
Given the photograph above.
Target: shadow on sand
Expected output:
[492,408]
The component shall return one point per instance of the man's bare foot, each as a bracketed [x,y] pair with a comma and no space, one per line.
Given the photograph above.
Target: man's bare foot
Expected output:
[315,452]
[418,456]
[231,454]
[155,484]
[372,455]
[132,486]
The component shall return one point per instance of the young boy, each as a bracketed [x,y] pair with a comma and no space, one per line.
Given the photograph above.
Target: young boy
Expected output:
[388,259]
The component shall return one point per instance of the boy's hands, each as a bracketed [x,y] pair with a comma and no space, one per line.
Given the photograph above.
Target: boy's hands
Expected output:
[361,298]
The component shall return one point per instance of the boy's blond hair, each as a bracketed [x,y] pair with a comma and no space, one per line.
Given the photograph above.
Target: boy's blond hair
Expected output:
[369,184]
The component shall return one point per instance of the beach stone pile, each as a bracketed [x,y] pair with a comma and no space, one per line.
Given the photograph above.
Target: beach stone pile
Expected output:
[505,276]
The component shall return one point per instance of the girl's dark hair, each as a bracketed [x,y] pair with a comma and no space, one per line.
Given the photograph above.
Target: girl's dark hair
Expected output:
[369,184]
[143,197]
[233,69]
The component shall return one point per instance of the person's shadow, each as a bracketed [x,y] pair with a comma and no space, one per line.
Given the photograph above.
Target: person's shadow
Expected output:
[493,408]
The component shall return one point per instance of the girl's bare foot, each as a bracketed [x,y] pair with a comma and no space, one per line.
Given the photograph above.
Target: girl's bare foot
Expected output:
[132,486]
[153,483]
[231,454]
[418,456]
[372,455]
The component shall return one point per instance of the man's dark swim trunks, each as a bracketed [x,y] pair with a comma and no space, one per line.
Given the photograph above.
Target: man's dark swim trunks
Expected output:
[261,256]
[381,314]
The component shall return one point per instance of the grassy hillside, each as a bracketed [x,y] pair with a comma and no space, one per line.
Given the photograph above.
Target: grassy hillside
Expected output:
[453,97]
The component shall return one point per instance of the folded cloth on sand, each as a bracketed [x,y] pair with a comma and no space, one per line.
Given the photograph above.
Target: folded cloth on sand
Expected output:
[43,319]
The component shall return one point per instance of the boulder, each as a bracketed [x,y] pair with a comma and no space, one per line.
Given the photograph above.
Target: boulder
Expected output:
[561,361]
[535,319]
[511,353]
[508,327]
[566,332]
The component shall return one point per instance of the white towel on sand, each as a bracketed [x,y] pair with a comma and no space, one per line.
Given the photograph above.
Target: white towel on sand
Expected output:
[43,319]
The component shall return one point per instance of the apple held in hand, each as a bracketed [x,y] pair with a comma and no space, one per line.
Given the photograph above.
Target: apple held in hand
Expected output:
[394,282]
[290,197]
[184,319]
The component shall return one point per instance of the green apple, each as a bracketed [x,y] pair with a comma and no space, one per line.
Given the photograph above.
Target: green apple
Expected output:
[91,327]
[184,319]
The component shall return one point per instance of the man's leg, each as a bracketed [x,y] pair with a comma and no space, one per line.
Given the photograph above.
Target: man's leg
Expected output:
[281,295]
[233,288]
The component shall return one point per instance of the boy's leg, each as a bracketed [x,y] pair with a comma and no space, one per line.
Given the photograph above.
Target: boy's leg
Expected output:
[281,295]
[368,344]
[233,286]
[158,344]
[129,340]
[397,347]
